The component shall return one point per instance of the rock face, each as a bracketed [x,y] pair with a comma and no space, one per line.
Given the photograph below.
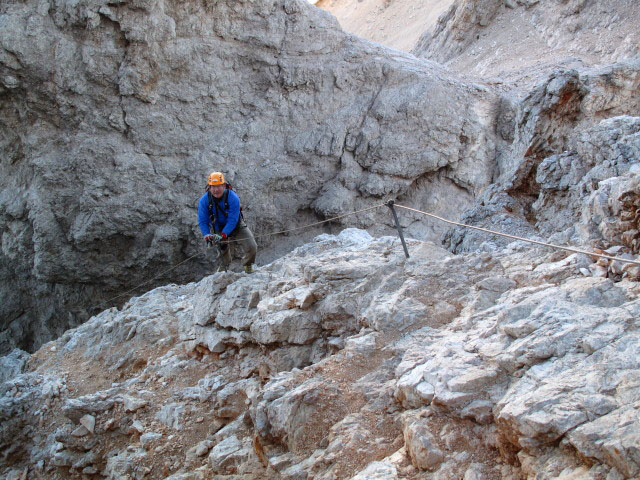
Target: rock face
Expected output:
[398,24]
[522,39]
[114,113]
[344,359]
[566,173]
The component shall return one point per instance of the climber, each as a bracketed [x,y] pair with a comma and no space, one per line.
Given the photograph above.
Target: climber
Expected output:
[221,222]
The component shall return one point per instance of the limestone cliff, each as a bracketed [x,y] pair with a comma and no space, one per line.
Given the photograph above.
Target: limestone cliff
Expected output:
[341,359]
[113,113]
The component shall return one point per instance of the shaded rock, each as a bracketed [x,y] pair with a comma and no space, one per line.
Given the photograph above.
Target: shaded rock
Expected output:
[233,398]
[203,448]
[74,459]
[13,364]
[612,439]
[233,455]
[412,391]
[476,471]
[132,404]
[75,408]
[89,422]
[137,427]
[75,438]
[286,414]
[480,411]
[80,431]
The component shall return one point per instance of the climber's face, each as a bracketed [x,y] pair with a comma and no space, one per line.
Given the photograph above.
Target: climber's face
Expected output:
[216,190]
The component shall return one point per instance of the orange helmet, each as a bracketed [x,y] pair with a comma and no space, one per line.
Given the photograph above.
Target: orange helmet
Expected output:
[216,178]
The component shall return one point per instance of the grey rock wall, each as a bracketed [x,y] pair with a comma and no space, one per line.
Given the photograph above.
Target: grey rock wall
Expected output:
[113,113]
[558,146]
[457,28]
[522,40]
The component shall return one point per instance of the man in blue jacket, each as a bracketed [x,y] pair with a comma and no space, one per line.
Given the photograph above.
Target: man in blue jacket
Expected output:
[221,222]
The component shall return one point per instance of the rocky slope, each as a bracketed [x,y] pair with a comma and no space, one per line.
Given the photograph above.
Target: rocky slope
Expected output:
[518,41]
[511,42]
[343,360]
[398,24]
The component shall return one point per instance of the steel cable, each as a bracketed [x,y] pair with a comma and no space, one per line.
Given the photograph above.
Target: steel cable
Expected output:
[515,237]
[486,230]
[236,241]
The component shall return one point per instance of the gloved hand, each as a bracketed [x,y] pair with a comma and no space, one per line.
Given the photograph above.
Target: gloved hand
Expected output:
[215,238]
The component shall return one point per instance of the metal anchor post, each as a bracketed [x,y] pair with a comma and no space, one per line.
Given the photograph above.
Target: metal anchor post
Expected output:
[395,218]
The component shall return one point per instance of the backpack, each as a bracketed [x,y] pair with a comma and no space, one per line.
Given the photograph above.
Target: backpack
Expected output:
[225,199]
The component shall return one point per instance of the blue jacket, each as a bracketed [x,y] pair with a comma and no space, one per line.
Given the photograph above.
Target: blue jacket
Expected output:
[225,221]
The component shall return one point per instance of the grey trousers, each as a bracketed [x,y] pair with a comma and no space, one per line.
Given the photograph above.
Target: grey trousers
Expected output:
[241,236]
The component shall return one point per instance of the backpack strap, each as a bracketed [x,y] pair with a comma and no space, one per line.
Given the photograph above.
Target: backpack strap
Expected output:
[226,200]
[212,216]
